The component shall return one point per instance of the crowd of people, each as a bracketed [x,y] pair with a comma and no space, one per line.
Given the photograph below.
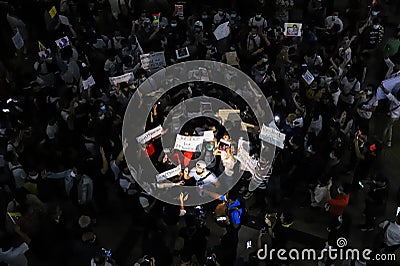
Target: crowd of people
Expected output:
[61,123]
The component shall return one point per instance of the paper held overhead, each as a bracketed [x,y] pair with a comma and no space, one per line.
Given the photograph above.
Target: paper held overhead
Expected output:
[168,174]
[272,136]
[142,139]
[189,143]
[222,31]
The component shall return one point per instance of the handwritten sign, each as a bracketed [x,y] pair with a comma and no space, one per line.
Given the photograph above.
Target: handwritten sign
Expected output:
[128,77]
[153,61]
[232,58]
[189,143]
[272,136]
[168,174]
[142,139]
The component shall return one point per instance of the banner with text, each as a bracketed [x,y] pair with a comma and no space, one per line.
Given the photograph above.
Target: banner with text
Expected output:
[142,139]
[189,143]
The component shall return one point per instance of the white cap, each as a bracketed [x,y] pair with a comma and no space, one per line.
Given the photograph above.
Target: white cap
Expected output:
[201,164]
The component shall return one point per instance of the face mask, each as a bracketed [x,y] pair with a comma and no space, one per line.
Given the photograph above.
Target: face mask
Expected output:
[265,60]
[374,13]
[332,156]
[376,27]
[369,92]
[309,149]
[233,15]
[174,25]
[181,17]
[204,17]
[339,191]
[258,16]
[334,17]
[254,35]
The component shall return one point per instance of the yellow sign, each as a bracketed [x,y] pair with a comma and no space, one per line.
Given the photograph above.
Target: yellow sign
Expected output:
[53,12]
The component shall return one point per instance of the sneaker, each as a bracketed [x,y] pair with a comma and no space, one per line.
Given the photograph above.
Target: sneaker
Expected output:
[365,228]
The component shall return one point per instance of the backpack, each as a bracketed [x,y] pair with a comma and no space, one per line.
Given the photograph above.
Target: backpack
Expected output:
[222,213]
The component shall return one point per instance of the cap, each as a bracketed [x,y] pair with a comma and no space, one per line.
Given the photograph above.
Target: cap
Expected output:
[201,164]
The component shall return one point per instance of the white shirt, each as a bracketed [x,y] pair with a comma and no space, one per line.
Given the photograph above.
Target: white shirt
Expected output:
[368,105]
[330,21]
[211,178]
[345,54]
[15,256]
[394,106]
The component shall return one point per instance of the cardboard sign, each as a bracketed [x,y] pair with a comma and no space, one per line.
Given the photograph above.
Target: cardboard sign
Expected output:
[189,143]
[142,139]
[64,20]
[153,61]
[232,58]
[168,174]
[308,77]
[128,77]
[222,31]
[229,114]
[62,42]
[293,29]
[272,136]
[88,82]
[178,10]
[18,41]
[182,53]
[53,12]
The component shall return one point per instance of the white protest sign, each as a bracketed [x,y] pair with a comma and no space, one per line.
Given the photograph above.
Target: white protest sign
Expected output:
[18,41]
[391,84]
[45,54]
[293,29]
[272,136]
[153,61]
[208,135]
[123,78]
[308,77]
[168,174]
[222,31]
[142,139]
[64,20]
[189,143]
[88,82]
[62,42]
[246,162]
